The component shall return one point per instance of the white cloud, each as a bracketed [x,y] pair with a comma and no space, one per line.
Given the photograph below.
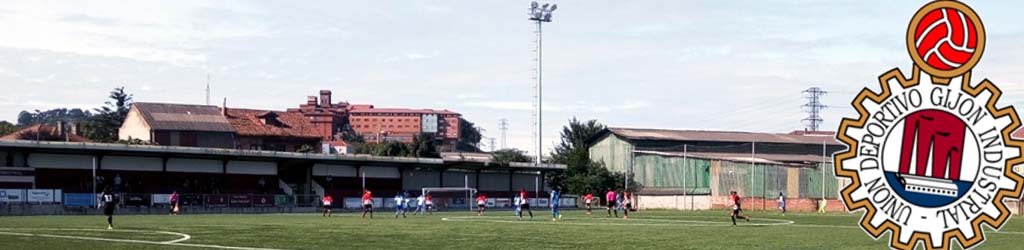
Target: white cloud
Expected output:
[463,96]
[170,35]
[87,19]
[501,105]
[634,105]
[412,56]
[677,64]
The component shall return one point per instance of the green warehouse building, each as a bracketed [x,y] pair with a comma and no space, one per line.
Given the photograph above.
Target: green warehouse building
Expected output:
[691,169]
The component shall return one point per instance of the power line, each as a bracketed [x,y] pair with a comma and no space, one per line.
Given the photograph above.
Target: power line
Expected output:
[757,106]
[775,123]
[503,126]
[813,108]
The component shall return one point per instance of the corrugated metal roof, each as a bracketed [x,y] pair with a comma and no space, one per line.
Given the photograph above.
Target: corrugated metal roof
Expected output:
[183,117]
[238,154]
[719,136]
[777,159]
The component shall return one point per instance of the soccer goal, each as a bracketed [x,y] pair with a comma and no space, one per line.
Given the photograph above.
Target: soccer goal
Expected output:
[452,197]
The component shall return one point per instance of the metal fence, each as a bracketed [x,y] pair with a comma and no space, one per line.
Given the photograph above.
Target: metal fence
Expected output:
[689,176]
[695,176]
[768,181]
[163,200]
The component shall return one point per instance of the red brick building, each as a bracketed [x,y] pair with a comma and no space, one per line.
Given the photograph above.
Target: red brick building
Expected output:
[400,124]
[328,118]
[319,123]
[378,124]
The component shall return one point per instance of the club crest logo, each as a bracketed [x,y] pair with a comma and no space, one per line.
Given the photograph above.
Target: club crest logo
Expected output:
[930,157]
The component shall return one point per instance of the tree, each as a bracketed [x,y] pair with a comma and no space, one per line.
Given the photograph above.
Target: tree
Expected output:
[388,148]
[582,174]
[7,128]
[424,145]
[26,118]
[469,136]
[104,125]
[573,150]
[350,136]
[508,155]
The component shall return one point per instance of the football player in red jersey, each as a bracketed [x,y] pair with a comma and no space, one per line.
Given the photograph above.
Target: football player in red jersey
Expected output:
[367,204]
[481,204]
[736,209]
[327,205]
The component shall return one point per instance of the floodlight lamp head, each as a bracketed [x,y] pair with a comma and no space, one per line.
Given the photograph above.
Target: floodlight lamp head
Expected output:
[545,6]
[533,4]
[553,7]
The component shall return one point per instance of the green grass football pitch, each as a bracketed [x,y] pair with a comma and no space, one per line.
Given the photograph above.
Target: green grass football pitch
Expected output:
[457,230]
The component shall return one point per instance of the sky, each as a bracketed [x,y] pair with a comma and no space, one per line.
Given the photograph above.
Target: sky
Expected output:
[707,65]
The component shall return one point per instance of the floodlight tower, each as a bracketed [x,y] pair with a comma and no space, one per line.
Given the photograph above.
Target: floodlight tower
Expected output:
[540,14]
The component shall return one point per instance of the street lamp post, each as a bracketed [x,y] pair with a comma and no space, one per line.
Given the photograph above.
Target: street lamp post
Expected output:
[540,14]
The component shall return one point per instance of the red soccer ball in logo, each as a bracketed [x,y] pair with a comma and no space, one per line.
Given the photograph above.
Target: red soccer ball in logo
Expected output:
[945,38]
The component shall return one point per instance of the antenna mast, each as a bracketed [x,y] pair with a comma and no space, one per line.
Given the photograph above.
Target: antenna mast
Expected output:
[207,89]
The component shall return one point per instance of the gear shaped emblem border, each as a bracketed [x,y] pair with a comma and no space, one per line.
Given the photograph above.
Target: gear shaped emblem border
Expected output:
[938,78]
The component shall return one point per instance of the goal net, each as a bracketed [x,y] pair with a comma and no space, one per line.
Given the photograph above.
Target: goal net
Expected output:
[452,197]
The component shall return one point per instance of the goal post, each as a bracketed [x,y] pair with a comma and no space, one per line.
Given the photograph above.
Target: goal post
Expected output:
[461,192]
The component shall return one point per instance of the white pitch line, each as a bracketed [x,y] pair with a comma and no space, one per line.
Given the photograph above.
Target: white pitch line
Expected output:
[677,222]
[175,242]
[217,246]
[183,238]
[1002,232]
[857,227]
[684,223]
